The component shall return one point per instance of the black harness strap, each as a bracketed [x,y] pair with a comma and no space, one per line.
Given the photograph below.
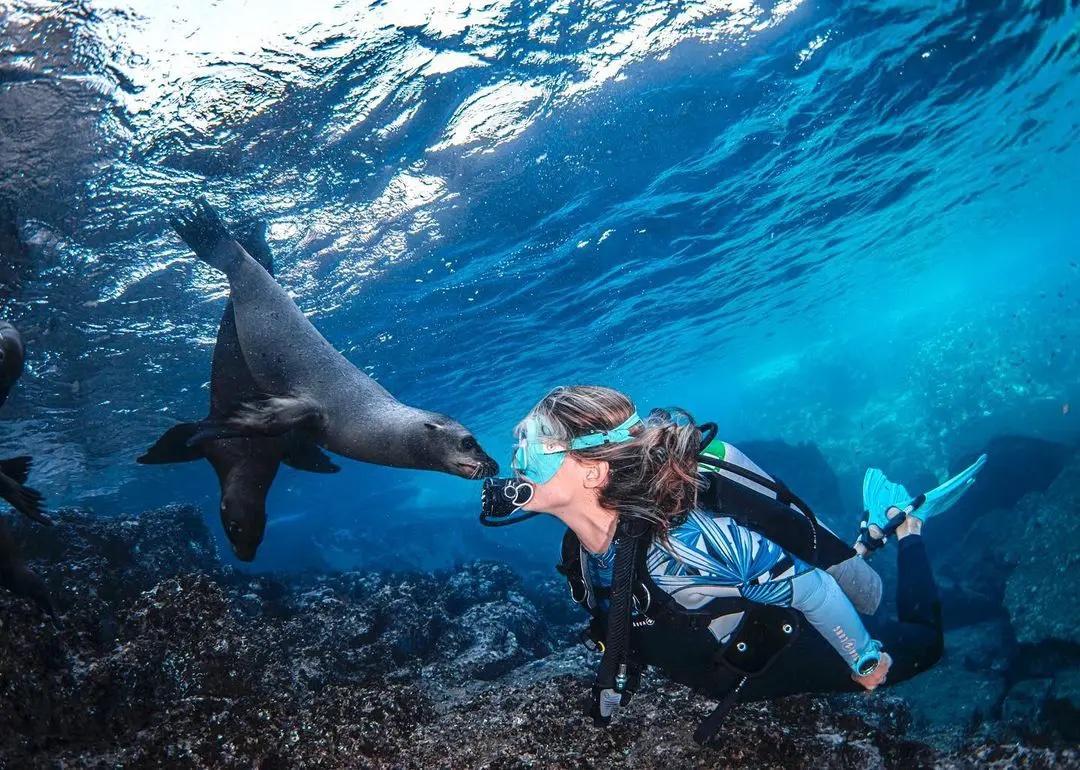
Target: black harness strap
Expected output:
[710,725]
[613,673]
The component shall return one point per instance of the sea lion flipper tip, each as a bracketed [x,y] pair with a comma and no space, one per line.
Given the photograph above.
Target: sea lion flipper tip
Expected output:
[174,446]
[202,230]
[305,455]
[17,468]
[26,500]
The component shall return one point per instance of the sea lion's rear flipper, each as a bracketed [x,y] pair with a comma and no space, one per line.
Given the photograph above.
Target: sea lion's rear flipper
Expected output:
[23,499]
[16,577]
[304,455]
[268,417]
[251,234]
[174,446]
[202,229]
[17,468]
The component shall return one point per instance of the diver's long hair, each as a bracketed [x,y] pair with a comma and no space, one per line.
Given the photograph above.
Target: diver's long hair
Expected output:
[653,476]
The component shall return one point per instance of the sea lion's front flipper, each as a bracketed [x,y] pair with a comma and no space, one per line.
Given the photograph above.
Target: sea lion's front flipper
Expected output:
[17,468]
[23,499]
[304,455]
[174,446]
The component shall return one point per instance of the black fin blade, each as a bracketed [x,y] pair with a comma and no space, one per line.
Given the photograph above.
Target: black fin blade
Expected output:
[174,446]
[17,468]
[305,455]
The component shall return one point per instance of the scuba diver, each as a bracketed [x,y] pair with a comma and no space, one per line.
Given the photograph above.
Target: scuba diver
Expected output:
[693,560]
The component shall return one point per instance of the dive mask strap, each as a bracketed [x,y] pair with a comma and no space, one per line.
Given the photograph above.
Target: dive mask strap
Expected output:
[708,432]
[617,435]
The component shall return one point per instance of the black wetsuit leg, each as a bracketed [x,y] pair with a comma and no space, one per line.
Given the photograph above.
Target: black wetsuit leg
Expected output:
[915,641]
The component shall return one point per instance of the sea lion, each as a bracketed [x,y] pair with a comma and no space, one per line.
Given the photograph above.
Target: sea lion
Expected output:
[245,466]
[309,386]
[14,471]
[14,575]
[12,358]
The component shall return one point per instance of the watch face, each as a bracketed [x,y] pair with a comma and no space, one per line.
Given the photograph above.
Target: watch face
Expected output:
[868,667]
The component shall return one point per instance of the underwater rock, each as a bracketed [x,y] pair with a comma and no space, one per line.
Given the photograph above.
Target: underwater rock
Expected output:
[1063,708]
[1041,591]
[551,595]
[972,572]
[1015,467]
[541,723]
[1022,709]
[491,639]
[970,666]
[162,657]
[87,556]
[479,582]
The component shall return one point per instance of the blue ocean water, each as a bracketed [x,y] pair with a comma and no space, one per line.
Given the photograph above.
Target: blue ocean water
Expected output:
[848,225]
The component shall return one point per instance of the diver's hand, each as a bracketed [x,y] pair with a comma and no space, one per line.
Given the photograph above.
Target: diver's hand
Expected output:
[877,677]
[201,228]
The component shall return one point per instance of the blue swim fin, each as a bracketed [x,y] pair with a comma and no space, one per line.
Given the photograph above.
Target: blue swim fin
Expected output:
[880,494]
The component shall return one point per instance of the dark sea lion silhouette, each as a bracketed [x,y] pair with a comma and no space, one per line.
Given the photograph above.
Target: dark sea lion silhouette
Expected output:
[14,575]
[309,386]
[12,358]
[245,466]
[14,254]
[14,471]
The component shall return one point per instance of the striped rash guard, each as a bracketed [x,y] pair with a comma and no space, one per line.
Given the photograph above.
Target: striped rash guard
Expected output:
[710,556]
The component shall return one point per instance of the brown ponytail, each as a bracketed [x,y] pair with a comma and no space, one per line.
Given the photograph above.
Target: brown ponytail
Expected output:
[653,476]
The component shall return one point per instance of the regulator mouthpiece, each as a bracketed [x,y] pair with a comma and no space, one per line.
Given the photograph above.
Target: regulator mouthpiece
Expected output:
[501,498]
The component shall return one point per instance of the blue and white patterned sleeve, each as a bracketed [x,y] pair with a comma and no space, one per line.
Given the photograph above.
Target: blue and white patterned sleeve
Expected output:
[709,557]
[821,601]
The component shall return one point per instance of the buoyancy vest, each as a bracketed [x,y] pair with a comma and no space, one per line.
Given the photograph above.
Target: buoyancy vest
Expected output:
[636,624]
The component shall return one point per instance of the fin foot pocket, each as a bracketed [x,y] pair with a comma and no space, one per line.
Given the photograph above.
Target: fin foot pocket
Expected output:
[881,497]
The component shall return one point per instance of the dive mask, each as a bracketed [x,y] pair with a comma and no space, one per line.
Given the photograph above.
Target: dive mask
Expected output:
[538,457]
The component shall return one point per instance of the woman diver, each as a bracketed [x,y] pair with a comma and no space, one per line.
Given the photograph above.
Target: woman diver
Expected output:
[703,566]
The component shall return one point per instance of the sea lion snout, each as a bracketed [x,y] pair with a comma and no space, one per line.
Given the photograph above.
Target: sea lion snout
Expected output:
[453,449]
[244,522]
[472,462]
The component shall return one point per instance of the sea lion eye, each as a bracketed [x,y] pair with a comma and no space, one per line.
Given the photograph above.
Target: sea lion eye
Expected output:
[468,443]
